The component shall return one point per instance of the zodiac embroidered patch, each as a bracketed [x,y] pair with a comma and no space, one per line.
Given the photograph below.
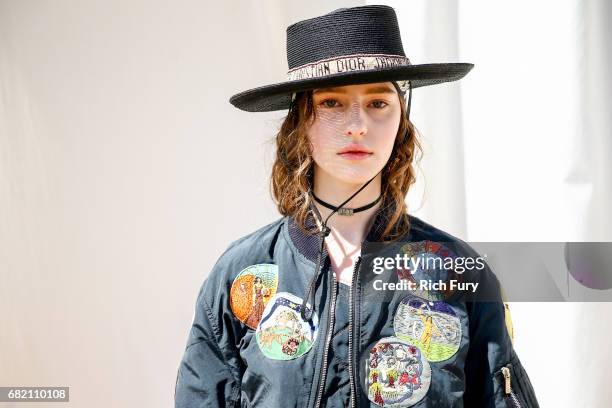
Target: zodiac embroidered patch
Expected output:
[397,375]
[431,262]
[282,334]
[431,326]
[251,290]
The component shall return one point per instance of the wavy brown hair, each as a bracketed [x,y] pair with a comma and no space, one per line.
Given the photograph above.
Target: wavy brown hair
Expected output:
[293,168]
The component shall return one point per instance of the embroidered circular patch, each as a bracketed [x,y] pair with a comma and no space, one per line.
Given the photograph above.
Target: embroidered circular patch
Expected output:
[282,334]
[251,290]
[432,326]
[429,263]
[397,375]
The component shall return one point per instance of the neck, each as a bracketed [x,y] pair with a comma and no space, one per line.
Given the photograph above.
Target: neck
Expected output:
[352,228]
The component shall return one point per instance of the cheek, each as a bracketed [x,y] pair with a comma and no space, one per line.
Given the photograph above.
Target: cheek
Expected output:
[325,135]
[383,132]
[386,135]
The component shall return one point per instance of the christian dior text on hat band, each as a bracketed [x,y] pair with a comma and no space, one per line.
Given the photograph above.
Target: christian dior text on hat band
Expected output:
[348,63]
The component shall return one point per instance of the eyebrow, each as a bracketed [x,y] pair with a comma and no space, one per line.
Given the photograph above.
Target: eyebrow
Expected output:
[374,90]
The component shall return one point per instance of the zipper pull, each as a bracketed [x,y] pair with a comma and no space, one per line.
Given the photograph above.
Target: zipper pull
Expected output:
[507,380]
[511,399]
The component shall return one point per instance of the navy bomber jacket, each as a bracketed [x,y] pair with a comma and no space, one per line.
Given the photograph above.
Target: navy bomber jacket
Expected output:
[363,346]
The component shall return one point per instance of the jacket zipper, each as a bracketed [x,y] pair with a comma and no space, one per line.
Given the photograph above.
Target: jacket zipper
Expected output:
[350,328]
[330,332]
[509,395]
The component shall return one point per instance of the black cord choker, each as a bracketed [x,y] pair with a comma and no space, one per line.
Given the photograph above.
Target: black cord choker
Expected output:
[344,210]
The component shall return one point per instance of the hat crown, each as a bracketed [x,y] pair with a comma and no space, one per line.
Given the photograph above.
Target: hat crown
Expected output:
[361,30]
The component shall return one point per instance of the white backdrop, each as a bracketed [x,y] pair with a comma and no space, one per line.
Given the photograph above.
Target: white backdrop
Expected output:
[125,172]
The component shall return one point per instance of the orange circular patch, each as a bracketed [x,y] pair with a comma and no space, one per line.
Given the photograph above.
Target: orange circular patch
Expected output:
[251,290]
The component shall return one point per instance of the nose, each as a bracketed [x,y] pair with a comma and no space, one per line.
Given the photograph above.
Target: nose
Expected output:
[356,126]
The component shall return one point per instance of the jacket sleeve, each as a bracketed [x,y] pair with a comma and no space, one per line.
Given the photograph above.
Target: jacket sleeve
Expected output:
[495,377]
[209,372]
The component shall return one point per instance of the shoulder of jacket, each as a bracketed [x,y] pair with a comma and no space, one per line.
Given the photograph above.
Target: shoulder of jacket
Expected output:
[250,249]
[423,231]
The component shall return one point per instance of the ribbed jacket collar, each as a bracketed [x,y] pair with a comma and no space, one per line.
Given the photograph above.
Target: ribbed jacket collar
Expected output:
[308,244]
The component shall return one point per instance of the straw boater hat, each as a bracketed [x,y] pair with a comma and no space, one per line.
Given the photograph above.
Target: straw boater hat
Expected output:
[346,46]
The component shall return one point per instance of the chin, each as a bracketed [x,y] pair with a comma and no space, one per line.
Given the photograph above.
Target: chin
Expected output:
[352,175]
[341,171]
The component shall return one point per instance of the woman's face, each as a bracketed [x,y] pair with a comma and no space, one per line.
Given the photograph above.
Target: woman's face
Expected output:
[354,131]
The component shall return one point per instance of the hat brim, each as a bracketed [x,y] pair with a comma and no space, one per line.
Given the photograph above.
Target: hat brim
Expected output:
[278,96]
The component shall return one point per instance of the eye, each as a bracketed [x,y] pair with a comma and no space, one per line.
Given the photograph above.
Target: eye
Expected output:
[379,104]
[329,103]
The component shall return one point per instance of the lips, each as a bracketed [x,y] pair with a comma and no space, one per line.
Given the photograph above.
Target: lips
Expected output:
[355,155]
[354,152]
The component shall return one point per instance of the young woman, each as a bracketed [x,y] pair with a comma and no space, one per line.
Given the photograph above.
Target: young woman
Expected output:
[299,313]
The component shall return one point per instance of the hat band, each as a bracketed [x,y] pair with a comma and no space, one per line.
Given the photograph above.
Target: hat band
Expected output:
[348,63]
